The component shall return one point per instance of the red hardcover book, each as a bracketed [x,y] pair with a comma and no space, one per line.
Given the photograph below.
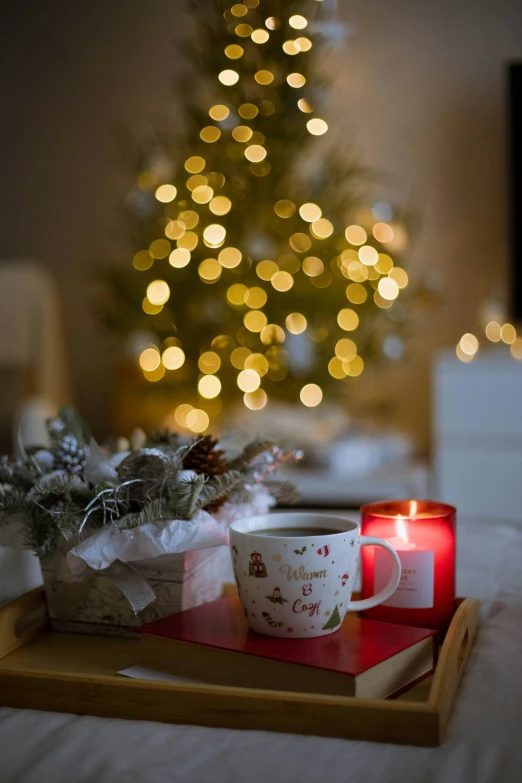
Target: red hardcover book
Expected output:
[212,644]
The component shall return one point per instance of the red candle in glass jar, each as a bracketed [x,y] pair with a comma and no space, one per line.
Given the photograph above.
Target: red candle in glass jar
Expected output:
[423,534]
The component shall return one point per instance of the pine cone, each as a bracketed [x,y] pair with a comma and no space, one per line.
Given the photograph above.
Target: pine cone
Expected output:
[70,455]
[203,457]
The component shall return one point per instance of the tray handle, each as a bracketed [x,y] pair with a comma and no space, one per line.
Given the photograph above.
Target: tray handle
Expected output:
[453,659]
[22,620]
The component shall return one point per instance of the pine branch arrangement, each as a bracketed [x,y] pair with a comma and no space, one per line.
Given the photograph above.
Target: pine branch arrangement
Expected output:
[67,491]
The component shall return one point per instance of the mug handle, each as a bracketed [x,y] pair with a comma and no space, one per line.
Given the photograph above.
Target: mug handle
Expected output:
[393,583]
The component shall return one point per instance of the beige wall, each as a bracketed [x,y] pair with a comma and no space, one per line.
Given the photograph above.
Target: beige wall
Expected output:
[419,86]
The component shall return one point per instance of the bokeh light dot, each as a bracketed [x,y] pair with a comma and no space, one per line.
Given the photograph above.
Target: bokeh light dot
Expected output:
[248,111]
[209,362]
[219,112]
[316,126]
[173,357]
[160,248]
[210,134]
[175,229]
[354,367]
[238,357]
[285,208]
[234,51]
[348,319]
[142,260]
[303,44]
[154,376]
[236,294]
[179,257]
[493,331]
[356,235]
[322,228]
[296,323]
[214,234]
[220,205]
[230,257]
[209,386]
[197,420]
[384,264]
[399,275]
[150,359]
[290,47]
[388,288]
[255,400]
[299,242]
[469,344]
[296,80]
[158,292]
[260,36]
[311,395]
[356,293]
[242,133]
[336,369]
[228,77]
[508,334]
[248,380]
[272,334]
[195,164]
[189,240]
[282,281]
[383,232]
[298,22]
[256,297]
[239,9]
[255,153]
[166,193]
[255,321]
[209,270]
[202,194]
[149,308]
[313,266]
[266,269]
[310,212]
[264,77]
[368,255]
[304,106]
[181,413]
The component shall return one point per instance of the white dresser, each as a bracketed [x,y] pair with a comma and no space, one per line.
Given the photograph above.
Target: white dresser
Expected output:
[477,434]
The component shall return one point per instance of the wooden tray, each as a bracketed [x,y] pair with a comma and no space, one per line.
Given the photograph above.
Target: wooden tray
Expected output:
[44,670]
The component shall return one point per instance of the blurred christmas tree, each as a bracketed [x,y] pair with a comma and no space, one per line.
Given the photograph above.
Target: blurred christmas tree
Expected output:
[259,271]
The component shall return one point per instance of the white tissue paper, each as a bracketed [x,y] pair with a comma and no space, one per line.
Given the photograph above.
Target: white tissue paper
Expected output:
[130,557]
[154,539]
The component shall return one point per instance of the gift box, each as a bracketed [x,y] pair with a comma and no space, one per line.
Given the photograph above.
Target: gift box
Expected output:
[96,604]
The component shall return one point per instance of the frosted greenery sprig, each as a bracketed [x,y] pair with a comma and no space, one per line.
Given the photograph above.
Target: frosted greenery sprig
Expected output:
[64,492]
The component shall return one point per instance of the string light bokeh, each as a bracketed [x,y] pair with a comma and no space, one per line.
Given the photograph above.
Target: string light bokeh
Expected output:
[468,346]
[257,280]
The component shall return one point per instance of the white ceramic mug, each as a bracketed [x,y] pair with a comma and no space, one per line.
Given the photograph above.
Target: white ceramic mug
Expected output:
[300,586]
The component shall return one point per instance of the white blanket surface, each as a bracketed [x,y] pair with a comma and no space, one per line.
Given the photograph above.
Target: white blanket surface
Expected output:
[483,744]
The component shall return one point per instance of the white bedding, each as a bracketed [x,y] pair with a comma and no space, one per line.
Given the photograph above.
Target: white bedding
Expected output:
[483,744]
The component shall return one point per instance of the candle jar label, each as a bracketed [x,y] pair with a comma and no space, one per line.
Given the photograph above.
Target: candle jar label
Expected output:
[415,590]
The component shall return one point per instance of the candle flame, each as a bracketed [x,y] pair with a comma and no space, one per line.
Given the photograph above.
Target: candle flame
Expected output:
[413,509]
[402,531]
